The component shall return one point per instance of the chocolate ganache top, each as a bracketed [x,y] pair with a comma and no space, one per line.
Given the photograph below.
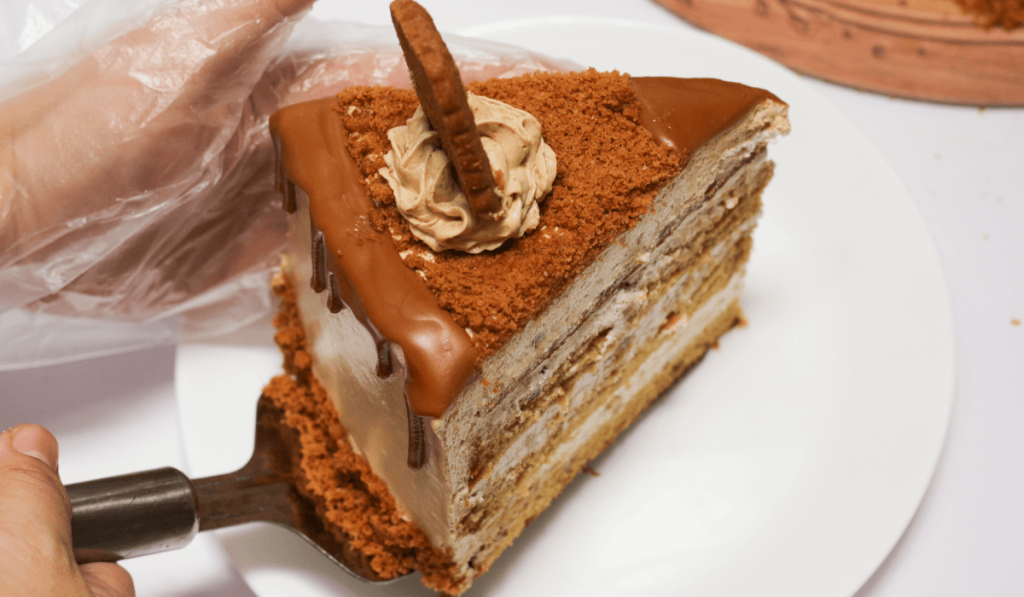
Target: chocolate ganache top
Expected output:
[389,298]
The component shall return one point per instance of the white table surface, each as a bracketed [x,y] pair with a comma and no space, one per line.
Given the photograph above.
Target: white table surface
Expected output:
[963,166]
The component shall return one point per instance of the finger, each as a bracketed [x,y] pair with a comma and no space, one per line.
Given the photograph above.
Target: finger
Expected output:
[108,580]
[35,518]
[37,442]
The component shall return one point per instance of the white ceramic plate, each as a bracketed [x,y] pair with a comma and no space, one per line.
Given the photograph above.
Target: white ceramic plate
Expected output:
[788,463]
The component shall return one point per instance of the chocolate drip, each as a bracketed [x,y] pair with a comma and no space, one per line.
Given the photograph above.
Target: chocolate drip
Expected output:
[318,280]
[281,179]
[384,363]
[334,302]
[417,443]
[289,202]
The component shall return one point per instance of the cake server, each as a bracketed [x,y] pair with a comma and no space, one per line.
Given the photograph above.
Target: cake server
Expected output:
[162,509]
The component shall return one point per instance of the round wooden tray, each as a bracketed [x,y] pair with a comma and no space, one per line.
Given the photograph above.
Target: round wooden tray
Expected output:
[918,49]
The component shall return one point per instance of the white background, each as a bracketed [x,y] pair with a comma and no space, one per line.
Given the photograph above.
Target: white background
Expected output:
[963,166]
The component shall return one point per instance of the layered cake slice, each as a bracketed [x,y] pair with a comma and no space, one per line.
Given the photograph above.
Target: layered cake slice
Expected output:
[473,384]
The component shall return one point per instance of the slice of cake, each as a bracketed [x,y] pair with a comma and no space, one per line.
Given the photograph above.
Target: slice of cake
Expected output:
[475,386]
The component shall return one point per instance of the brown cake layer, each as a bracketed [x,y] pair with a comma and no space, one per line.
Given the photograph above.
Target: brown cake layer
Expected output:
[609,170]
[530,495]
[702,266]
[354,504]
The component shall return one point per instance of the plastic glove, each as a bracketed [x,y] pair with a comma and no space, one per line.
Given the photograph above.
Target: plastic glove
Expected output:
[139,184]
[114,177]
[36,559]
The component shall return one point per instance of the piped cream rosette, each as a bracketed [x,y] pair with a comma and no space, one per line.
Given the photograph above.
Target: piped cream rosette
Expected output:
[430,199]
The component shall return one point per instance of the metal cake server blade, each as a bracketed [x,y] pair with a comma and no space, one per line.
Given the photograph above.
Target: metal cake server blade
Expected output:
[153,511]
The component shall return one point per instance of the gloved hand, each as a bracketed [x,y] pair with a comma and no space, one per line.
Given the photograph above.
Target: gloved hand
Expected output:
[139,184]
[121,180]
[35,526]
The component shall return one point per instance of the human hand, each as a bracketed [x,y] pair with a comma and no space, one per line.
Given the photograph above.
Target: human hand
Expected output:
[119,179]
[144,180]
[36,559]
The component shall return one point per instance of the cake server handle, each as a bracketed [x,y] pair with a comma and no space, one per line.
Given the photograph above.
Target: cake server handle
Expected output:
[132,515]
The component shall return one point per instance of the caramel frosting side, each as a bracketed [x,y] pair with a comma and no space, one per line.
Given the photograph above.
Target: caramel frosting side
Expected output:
[388,297]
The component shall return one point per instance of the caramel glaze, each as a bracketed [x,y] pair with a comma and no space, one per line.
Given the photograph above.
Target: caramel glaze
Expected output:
[686,113]
[361,265]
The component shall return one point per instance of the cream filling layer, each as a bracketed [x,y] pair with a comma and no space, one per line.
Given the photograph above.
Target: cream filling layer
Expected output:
[623,317]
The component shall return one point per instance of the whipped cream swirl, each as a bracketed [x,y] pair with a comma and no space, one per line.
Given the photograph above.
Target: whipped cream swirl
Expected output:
[429,196]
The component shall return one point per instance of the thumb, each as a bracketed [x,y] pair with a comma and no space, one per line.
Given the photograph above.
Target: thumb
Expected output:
[36,558]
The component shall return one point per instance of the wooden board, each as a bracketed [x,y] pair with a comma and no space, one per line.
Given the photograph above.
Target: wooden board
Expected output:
[918,49]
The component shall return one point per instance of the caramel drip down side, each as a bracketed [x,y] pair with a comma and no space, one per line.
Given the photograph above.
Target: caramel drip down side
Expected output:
[387,297]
